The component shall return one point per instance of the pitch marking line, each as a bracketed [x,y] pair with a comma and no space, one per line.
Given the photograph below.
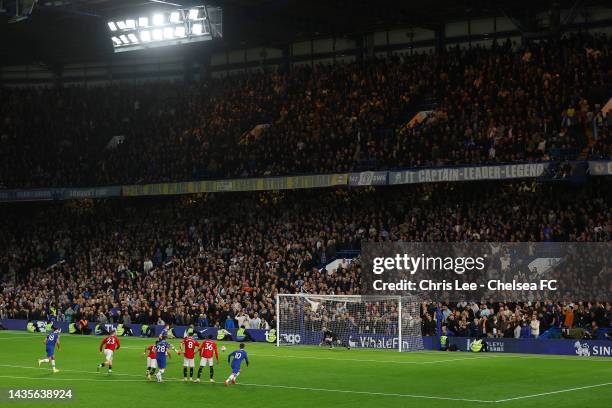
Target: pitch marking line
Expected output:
[21,337]
[369,360]
[359,360]
[384,394]
[553,392]
[173,379]
[426,352]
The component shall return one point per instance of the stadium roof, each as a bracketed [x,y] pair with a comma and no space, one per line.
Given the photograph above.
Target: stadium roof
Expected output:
[75,30]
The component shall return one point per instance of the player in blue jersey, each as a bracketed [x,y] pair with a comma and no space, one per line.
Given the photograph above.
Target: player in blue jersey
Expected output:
[51,341]
[162,349]
[238,356]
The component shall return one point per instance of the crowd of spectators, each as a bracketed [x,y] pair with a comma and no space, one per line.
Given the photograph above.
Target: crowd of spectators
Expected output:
[520,320]
[502,104]
[211,258]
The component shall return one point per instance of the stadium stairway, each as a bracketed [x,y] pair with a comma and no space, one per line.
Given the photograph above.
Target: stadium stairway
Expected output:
[584,153]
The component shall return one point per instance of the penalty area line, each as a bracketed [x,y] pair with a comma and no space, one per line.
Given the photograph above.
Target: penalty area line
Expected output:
[78,379]
[542,394]
[383,394]
[288,387]
[361,360]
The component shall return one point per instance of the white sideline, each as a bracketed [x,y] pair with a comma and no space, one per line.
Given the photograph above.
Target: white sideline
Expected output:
[541,394]
[66,370]
[75,379]
[384,394]
[416,396]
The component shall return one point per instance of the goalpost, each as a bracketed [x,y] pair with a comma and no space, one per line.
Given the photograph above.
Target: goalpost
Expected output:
[379,322]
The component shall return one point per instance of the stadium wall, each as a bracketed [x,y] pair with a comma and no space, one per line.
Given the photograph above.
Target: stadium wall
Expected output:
[583,348]
[542,171]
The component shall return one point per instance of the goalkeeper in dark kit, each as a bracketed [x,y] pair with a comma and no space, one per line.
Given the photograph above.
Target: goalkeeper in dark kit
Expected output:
[331,339]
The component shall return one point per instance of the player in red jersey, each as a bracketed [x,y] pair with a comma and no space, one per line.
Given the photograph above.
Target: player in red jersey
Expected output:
[188,347]
[109,345]
[151,354]
[206,350]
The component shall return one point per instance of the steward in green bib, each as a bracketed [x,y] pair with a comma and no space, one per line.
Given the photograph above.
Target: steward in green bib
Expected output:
[241,334]
[271,336]
[443,342]
[223,334]
[478,346]
[145,330]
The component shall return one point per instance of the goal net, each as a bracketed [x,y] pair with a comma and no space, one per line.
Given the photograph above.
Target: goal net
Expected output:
[380,322]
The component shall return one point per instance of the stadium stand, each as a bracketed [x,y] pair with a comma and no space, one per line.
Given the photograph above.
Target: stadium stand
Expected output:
[179,259]
[504,104]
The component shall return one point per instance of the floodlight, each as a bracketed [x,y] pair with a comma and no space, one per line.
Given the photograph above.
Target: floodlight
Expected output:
[158,34]
[163,27]
[158,19]
[193,14]
[145,36]
[175,17]
[168,33]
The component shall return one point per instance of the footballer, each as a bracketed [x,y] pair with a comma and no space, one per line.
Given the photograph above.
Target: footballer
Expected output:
[188,348]
[108,346]
[235,359]
[162,349]
[206,350]
[51,341]
[151,354]
[330,339]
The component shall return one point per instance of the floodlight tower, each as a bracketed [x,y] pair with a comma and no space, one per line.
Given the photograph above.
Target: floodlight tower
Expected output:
[159,27]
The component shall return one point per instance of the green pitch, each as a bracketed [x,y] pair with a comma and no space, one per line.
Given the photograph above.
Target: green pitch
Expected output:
[308,377]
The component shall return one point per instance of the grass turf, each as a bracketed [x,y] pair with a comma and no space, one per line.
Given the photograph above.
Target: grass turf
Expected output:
[308,377]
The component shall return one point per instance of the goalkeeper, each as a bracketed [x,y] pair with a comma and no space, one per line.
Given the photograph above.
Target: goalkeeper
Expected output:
[330,339]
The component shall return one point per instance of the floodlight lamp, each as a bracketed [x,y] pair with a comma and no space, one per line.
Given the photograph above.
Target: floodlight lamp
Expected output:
[158,34]
[145,36]
[124,39]
[158,19]
[143,21]
[132,37]
[193,14]
[196,29]
[112,26]
[130,24]
[168,33]
[179,31]
[175,17]
[121,25]
[117,41]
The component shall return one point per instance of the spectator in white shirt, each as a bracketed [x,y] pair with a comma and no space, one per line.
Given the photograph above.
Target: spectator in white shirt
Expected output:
[255,322]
